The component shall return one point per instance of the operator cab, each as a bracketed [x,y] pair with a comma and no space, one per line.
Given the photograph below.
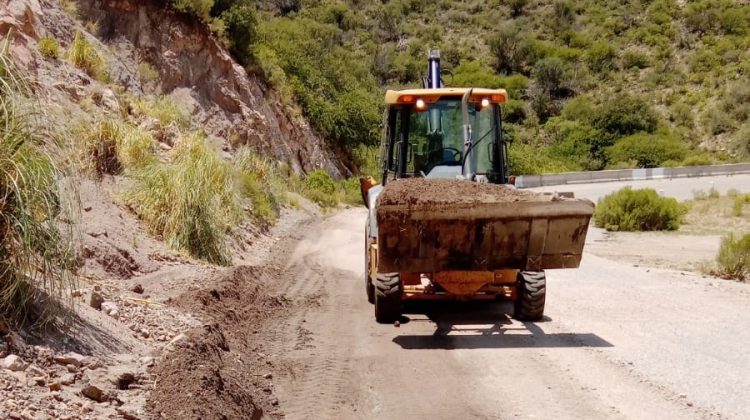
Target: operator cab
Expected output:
[425,137]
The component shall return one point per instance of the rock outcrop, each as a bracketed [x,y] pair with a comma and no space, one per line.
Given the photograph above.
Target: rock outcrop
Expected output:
[193,67]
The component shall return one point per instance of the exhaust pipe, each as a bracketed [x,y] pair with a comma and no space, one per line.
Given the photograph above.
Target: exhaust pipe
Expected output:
[467,169]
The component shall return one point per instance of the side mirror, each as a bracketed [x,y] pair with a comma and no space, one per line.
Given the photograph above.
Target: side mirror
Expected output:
[364,185]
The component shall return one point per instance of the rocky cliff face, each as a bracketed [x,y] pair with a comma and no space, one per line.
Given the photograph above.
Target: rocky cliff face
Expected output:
[193,67]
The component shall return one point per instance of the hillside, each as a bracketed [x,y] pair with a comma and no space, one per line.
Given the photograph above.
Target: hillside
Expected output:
[595,84]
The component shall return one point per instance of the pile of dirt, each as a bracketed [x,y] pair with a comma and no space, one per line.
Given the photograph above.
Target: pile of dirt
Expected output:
[427,192]
[220,370]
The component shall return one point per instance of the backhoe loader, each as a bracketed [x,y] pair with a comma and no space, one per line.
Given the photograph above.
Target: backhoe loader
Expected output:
[433,235]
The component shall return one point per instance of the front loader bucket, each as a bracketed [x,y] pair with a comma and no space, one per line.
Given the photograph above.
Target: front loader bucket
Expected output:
[483,233]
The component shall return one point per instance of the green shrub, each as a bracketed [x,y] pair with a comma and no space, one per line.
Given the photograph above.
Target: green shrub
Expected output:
[333,85]
[49,47]
[526,159]
[36,253]
[697,160]
[191,201]
[578,142]
[648,150]
[638,210]
[198,8]
[84,56]
[262,182]
[635,59]
[549,74]
[733,258]
[147,72]
[625,115]
[718,122]
[512,50]
[601,57]
[240,22]
[320,188]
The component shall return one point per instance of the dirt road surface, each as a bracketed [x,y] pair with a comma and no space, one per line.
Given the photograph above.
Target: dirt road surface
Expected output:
[619,342]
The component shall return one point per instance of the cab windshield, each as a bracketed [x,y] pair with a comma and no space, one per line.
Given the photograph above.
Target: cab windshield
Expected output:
[435,137]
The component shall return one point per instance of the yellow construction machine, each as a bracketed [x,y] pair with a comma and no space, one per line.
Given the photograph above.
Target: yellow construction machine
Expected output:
[459,246]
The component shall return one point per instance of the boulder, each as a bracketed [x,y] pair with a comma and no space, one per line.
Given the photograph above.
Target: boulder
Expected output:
[14,363]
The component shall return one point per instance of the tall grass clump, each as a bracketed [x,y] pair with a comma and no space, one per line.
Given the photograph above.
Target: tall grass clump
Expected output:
[97,147]
[84,56]
[49,47]
[733,259]
[262,183]
[638,210]
[190,202]
[164,109]
[135,147]
[108,146]
[36,252]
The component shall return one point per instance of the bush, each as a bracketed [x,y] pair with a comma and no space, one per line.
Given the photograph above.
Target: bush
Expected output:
[601,57]
[526,159]
[549,74]
[510,49]
[638,210]
[198,8]
[625,115]
[240,23]
[648,150]
[36,253]
[320,188]
[697,160]
[147,72]
[333,85]
[517,6]
[733,258]
[635,59]
[84,56]
[191,201]
[49,47]
[262,182]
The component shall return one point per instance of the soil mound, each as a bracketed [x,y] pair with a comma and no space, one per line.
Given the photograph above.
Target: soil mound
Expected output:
[218,371]
[449,191]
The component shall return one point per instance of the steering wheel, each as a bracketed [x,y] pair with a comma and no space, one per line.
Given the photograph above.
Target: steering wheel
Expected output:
[453,161]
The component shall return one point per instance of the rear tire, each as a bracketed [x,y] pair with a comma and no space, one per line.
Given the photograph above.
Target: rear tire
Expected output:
[369,288]
[532,290]
[387,298]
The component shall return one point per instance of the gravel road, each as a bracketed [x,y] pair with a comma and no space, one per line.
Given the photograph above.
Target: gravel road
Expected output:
[619,342]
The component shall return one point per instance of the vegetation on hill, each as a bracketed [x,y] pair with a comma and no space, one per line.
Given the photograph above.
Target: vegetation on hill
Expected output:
[594,84]
[36,254]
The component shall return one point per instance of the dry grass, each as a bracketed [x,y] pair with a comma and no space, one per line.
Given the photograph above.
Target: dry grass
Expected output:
[717,216]
[84,56]
[37,254]
[191,202]
[164,109]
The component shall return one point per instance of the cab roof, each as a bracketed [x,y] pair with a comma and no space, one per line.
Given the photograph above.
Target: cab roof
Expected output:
[392,96]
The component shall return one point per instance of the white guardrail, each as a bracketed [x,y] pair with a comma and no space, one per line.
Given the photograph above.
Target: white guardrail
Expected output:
[531,181]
